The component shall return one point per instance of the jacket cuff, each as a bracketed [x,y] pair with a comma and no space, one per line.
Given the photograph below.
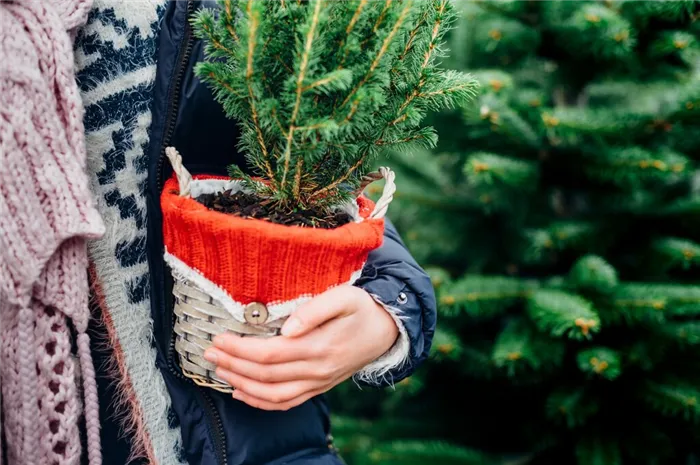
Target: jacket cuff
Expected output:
[395,358]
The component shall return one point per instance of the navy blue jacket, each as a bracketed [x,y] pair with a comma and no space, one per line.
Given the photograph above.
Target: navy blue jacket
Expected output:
[217,429]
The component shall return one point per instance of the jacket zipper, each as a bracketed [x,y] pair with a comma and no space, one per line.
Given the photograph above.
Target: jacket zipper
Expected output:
[173,98]
[210,412]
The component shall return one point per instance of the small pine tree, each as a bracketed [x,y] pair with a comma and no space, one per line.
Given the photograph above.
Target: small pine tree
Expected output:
[563,211]
[321,87]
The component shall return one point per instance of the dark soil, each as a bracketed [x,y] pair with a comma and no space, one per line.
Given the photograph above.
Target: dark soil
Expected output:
[251,206]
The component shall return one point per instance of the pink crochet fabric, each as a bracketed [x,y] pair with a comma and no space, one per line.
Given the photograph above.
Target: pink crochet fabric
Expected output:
[46,216]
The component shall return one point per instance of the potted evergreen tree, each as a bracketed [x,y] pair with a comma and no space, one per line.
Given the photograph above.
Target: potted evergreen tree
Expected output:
[319,88]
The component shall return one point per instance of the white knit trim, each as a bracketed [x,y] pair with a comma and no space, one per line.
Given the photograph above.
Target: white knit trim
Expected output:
[396,357]
[276,309]
[213,186]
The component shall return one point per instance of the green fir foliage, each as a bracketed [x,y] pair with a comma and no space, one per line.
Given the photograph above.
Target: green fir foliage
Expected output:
[560,218]
[320,88]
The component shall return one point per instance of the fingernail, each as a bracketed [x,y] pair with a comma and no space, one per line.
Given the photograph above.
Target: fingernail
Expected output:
[236,394]
[211,356]
[291,327]
[218,340]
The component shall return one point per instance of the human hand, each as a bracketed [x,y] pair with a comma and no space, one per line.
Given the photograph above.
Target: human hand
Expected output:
[324,342]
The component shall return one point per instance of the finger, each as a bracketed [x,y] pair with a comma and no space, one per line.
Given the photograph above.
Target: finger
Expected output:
[265,351]
[275,373]
[265,405]
[322,308]
[276,393]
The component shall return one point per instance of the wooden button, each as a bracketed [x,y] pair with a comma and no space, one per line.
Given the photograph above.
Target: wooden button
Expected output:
[255,313]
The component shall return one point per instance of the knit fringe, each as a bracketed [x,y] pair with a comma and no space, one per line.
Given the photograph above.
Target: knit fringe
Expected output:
[27,374]
[91,407]
[130,415]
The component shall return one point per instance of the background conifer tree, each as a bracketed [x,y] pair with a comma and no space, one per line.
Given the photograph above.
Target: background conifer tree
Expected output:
[561,214]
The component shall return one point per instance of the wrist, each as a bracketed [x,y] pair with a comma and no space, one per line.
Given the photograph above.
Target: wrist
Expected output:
[395,353]
[377,312]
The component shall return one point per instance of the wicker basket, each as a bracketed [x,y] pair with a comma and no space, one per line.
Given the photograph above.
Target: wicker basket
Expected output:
[209,301]
[198,319]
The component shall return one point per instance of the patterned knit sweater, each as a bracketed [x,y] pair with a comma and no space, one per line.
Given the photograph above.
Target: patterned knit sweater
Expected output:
[115,56]
[47,214]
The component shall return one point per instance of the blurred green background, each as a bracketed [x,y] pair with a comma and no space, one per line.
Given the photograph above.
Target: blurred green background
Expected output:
[560,221]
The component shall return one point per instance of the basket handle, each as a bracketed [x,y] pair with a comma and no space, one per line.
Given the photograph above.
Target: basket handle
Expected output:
[184,178]
[382,205]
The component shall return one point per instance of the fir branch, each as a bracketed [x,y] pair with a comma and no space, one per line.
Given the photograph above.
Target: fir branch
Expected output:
[284,65]
[278,123]
[214,40]
[355,17]
[300,87]
[228,8]
[335,79]
[297,177]
[433,38]
[381,142]
[348,31]
[385,46]
[316,126]
[387,5]
[380,19]
[344,177]
[353,108]
[413,34]
[223,84]
[426,60]
[254,22]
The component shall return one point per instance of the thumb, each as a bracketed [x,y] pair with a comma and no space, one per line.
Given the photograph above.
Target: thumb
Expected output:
[317,311]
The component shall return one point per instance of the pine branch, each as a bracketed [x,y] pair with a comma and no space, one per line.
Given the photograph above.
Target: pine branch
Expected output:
[215,41]
[600,361]
[349,29]
[593,272]
[413,34]
[483,296]
[559,313]
[223,84]
[300,88]
[426,60]
[673,397]
[385,46]
[297,177]
[342,178]
[422,452]
[228,8]
[355,17]
[254,22]
[381,16]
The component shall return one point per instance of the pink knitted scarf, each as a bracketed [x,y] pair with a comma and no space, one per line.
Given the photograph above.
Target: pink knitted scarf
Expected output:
[46,216]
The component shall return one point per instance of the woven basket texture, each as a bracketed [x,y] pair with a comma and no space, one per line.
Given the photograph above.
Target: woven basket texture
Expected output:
[198,319]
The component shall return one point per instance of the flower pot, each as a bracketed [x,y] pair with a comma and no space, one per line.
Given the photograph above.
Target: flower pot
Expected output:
[246,276]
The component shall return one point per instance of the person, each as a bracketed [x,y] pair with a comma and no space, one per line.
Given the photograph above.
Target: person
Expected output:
[135,71]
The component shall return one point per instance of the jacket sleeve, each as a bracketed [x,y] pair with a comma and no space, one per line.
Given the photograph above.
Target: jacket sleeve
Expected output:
[394,279]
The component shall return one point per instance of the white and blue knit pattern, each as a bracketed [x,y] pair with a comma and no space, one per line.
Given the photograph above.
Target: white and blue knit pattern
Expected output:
[115,59]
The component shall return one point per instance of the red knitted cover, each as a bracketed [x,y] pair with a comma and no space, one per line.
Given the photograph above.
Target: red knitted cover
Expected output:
[258,261]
